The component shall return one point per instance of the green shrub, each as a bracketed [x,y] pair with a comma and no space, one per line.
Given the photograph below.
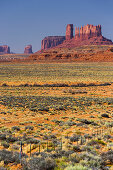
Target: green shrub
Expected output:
[39,163]
[105,115]
[29,127]
[15,128]
[5,144]
[107,156]
[76,148]
[9,156]
[91,160]
[77,167]
[109,124]
[101,142]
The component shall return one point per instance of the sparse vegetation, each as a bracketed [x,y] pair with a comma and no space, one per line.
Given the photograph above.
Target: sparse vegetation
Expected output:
[60,121]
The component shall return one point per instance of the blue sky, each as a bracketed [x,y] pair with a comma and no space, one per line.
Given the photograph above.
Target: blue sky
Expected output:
[24,22]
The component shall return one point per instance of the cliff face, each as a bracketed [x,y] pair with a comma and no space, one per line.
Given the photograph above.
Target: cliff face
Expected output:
[51,41]
[86,35]
[4,49]
[28,49]
[88,31]
[69,31]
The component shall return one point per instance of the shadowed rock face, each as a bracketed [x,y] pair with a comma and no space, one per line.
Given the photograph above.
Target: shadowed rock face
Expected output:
[51,41]
[4,49]
[28,49]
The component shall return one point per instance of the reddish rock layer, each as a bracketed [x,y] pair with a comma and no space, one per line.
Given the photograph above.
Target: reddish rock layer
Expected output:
[77,33]
[100,40]
[28,49]
[51,41]
[4,49]
[69,31]
[88,31]
[89,34]
[88,53]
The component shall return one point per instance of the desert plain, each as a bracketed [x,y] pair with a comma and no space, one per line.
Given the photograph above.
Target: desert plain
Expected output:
[59,113]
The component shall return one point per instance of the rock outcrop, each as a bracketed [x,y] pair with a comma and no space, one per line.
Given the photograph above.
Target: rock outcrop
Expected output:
[86,53]
[86,35]
[51,41]
[4,49]
[69,31]
[28,49]
[88,31]
[77,33]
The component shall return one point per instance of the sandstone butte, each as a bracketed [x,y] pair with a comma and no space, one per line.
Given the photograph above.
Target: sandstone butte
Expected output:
[87,35]
[88,44]
[4,49]
[28,49]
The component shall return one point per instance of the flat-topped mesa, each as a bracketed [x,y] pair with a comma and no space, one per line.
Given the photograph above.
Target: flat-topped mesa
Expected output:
[4,49]
[28,49]
[69,31]
[88,34]
[51,41]
[89,31]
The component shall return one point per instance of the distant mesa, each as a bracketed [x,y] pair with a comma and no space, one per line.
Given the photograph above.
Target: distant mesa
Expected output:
[28,49]
[52,41]
[4,49]
[86,35]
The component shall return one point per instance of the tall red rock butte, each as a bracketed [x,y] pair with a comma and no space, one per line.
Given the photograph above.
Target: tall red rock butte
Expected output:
[88,31]
[86,35]
[69,31]
[4,49]
[28,49]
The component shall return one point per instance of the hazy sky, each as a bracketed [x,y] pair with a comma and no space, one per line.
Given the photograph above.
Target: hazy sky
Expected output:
[24,22]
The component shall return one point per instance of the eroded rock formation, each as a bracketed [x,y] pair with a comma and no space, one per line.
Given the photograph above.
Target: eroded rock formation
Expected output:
[4,49]
[77,33]
[86,35]
[28,49]
[88,31]
[69,31]
[51,41]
